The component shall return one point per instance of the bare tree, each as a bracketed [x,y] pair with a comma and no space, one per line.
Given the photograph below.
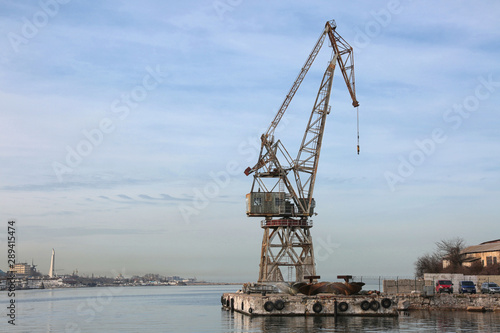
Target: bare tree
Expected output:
[428,263]
[451,250]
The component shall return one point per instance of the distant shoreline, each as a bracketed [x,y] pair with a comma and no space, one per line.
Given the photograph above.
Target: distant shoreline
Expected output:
[67,286]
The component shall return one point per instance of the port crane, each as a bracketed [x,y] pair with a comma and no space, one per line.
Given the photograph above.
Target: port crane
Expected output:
[282,188]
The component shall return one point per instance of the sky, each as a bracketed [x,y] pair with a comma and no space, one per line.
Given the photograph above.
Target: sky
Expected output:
[126,128]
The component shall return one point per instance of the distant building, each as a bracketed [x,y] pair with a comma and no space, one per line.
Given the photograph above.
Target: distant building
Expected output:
[487,252]
[173,278]
[23,269]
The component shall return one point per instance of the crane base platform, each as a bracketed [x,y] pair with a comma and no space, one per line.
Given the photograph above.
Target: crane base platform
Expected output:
[277,304]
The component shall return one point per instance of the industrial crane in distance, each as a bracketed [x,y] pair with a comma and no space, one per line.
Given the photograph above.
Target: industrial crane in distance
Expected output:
[287,202]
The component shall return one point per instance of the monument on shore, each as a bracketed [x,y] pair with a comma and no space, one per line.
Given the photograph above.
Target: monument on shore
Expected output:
[52,263]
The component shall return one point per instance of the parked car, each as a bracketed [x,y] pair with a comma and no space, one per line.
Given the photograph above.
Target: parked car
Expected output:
[444,286]
[490,288]
[466,287]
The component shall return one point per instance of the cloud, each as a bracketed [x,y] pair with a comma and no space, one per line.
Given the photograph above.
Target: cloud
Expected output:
[31,232]
[75,185]
[163,197]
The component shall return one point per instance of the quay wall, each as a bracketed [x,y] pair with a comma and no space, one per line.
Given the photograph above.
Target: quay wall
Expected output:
[477,302]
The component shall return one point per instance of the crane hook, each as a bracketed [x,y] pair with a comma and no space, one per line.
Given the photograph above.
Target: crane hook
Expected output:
[357,115]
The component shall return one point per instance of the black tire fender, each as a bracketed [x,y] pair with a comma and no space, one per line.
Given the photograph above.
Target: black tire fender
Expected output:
[374,305]
[343,306]
[250,310]
[365,305]
[317,307]
[269,306]
[279,305]
[386,303]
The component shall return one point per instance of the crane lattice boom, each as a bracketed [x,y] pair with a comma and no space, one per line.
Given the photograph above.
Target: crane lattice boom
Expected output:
[295,199]
[287,202]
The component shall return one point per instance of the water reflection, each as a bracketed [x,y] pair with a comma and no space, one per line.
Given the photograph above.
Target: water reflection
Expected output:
[242,323]
[415,321]
[455,321]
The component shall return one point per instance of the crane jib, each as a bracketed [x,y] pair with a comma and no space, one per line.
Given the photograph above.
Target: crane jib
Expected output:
[285,201]
[274,162]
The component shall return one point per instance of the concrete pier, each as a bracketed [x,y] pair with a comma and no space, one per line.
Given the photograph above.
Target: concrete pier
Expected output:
[279,304]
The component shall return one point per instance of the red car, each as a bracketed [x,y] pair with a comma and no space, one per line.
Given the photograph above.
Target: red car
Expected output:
[444,286]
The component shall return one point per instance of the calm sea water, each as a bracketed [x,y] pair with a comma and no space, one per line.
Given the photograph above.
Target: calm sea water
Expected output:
[197,309]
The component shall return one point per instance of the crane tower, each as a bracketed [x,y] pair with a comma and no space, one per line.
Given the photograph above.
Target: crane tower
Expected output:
[282,188]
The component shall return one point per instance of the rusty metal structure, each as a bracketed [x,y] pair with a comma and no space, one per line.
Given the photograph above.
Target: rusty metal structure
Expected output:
[285,201]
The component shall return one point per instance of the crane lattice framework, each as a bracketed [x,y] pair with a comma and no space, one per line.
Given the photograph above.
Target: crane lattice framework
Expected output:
[287,203]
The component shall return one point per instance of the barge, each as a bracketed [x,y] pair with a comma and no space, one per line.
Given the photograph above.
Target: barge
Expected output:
[279,304]
[313,299]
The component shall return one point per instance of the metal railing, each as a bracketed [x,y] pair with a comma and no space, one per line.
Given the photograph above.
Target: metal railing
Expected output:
[286,223]
[392,284]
